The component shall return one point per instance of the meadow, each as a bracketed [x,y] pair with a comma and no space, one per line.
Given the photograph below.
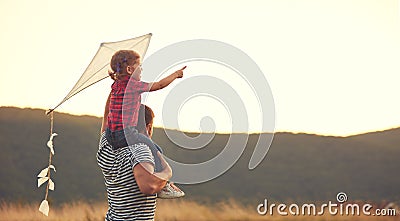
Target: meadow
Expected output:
[298,168]
[167,210]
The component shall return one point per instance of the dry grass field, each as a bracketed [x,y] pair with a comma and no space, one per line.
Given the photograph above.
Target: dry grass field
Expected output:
[167,210]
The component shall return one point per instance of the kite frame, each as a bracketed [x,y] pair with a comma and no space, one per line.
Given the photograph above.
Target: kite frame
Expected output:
[69,95]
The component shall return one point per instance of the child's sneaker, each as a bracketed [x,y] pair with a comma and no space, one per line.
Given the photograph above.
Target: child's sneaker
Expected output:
[168,192]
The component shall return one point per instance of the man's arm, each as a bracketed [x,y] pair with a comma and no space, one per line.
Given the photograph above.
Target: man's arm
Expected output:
[167,80]
[149,182]
[106,110]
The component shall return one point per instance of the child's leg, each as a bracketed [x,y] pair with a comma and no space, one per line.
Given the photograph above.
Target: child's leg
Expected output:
[133,137]
[154,148]
[158,147]
[119,138]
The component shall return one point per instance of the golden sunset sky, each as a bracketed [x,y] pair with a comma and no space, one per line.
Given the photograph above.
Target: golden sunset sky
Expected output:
[333,65]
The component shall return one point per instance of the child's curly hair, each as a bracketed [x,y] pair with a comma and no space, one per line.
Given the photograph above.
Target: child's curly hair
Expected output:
[119,61]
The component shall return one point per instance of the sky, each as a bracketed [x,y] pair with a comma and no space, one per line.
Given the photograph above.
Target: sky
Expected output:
[332,65]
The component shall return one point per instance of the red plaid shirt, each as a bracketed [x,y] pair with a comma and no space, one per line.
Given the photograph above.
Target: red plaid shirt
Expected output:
[127,98]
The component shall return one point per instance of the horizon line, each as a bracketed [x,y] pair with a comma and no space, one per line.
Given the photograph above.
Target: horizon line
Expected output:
[223,133]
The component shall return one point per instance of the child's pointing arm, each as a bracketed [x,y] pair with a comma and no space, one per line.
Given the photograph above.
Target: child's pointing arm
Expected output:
[167,80]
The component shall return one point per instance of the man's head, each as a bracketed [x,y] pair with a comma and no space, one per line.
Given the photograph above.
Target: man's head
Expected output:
[145,120]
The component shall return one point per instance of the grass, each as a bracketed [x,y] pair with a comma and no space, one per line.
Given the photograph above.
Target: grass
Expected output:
[167,210]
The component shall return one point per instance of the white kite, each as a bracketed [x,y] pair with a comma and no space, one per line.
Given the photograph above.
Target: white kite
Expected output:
[99,66]
[95,72]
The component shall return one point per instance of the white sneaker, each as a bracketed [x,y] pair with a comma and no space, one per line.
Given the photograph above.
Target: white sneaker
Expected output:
[168,192]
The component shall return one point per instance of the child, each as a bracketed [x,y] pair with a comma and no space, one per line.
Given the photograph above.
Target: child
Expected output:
[121,127]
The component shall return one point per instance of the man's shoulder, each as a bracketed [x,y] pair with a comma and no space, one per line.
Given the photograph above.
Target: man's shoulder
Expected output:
[103,141]
[103,135]
[141,153]
[140,145]
[140,148]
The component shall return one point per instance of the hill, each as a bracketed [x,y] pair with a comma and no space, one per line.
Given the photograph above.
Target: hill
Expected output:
[298,167]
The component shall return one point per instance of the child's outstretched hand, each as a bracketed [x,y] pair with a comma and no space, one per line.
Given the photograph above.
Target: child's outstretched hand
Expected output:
[167,80]
[179,72]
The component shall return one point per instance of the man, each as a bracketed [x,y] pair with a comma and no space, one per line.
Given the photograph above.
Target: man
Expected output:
[130,196]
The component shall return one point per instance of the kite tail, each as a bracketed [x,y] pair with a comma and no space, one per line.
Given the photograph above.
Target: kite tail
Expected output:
[50,156]
[45,174]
